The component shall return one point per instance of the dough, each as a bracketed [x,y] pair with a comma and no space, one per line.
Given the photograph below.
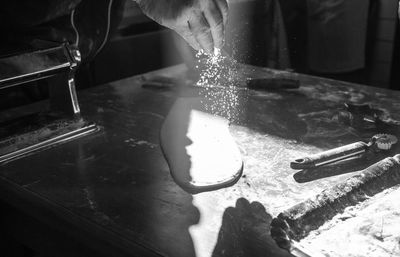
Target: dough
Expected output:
[199,149]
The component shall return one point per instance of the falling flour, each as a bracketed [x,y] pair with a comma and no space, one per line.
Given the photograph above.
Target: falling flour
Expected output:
[219,78]
[371,228]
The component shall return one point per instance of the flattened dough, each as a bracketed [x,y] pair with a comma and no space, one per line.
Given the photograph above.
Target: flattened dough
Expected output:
[199,149]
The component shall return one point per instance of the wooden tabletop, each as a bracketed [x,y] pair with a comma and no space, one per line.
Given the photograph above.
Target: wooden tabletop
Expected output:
[113,192]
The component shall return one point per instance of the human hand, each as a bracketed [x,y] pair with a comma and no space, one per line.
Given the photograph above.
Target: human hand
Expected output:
[200,22]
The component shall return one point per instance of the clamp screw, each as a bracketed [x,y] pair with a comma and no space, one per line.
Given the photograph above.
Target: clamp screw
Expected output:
[76,55]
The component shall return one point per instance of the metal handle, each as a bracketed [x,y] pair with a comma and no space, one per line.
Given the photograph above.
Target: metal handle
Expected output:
[333,155]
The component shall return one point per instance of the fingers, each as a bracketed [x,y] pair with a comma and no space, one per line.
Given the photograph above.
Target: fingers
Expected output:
[202,25]
[223,7]
[201,30]
[189,37]
[207,24]
[216,21]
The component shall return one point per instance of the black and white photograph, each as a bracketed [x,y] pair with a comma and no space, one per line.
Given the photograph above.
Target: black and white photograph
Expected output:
[200,128]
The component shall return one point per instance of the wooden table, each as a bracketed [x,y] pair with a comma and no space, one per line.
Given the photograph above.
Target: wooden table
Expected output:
[111,194]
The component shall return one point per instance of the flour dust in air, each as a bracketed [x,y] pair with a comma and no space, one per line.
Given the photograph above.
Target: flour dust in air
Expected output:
[219,81]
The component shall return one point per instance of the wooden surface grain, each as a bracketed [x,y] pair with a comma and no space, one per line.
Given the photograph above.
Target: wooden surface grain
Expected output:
[115,186]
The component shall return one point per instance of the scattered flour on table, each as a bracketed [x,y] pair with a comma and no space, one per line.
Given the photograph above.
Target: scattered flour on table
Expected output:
[135,142]
[371,228]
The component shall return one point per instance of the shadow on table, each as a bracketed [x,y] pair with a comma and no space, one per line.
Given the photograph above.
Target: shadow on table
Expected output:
[245,231]
[342,167]
[308,115]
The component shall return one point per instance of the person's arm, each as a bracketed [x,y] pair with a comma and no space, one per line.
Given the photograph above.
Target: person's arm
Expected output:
[200,22]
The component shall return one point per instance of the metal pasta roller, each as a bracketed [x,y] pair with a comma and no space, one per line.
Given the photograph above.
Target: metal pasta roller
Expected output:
[46,123]
[379,142]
